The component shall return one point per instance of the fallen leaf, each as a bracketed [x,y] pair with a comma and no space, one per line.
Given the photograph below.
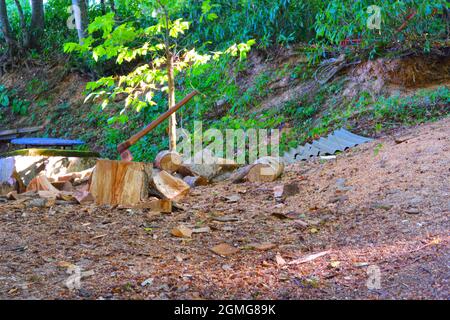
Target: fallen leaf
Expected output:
[182,232]
[224,249]
[313,230]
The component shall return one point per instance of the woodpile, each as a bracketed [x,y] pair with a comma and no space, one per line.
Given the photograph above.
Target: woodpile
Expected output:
[126,184]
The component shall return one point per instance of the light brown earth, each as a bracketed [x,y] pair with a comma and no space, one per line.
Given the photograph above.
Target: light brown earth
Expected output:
[391,213]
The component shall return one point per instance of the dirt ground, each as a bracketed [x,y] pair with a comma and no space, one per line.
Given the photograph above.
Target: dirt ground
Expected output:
[380,211]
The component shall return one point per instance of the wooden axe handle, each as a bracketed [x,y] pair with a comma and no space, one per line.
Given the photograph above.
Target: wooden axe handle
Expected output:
[127,144]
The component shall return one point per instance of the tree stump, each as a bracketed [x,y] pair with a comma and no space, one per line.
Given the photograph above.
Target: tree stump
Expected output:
[265,169]
[120,182]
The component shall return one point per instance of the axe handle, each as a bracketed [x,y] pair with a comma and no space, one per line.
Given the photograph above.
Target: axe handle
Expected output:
[127,144]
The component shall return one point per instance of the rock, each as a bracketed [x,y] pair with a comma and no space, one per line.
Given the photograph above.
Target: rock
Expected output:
[147,282]
[224,249]
[233,198]
[340,185]
[181,232]
[412,211]
[41,203]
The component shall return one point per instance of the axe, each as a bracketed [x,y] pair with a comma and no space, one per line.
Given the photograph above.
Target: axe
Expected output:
[123,148]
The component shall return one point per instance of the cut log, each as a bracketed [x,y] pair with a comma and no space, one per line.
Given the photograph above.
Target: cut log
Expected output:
[240,174]
[185,171]
[168,186]
[120,182]
[266,169]
[168,161]
[227,164]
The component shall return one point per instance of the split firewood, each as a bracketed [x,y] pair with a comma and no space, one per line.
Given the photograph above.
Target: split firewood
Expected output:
[84,197]
[170,187]
[120,182]
[195,181]
[168,161]
[266,169]
[41,183]
[185,171]
[63,186]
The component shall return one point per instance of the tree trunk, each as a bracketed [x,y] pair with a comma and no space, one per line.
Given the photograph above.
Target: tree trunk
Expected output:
[112,4]
[6,29]
[37,23]
[23,25]
[81,18]
[103,7]
[173,118]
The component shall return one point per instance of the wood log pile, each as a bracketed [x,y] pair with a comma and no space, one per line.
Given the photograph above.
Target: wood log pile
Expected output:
[156,187]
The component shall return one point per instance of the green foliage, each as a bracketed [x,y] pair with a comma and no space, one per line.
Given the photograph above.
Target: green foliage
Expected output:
[4,97]
[8,99]
[347,19]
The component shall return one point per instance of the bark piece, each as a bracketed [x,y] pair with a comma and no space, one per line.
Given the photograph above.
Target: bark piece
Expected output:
[266,169]
[168,186]
[168,161]
[120,182]
[84,197]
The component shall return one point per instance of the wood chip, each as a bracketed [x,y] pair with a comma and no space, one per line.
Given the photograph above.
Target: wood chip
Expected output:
[181,232]
[310,257]
[201,230]
[224,249]
[262,246]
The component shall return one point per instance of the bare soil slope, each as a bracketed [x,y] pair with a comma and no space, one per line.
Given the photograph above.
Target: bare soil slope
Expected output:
[382,206]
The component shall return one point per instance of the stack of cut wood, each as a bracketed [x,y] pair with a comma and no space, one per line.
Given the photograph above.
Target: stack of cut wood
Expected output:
[129,184]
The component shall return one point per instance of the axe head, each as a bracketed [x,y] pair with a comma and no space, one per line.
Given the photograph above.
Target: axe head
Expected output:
[125,153]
